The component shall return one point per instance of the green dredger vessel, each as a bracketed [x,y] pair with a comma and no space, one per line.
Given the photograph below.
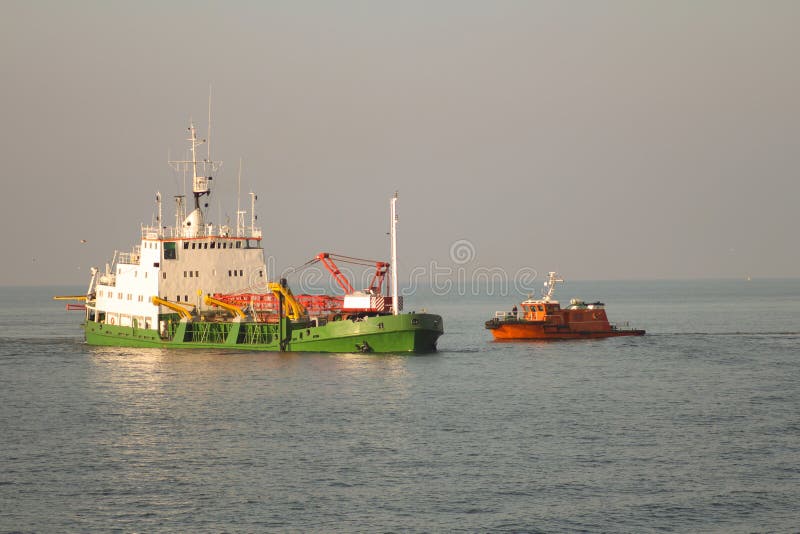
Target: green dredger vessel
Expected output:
[180,286]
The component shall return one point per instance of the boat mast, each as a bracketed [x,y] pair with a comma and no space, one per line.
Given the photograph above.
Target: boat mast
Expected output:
[552,279]
[199,183]
[160,224]
[395,299]
[253,216]
[239,212]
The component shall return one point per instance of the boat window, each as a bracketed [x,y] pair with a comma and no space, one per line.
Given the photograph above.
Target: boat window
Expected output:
[241,273]
[197,274]
[169,251]
[185,245]
[238,244]
[213,244]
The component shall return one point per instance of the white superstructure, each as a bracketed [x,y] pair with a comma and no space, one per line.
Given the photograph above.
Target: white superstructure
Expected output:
[179,263]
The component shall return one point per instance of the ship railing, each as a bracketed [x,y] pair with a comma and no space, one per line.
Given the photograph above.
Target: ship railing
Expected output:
[169,232]
[506,315]
[154,232]
[621,326]
[128,258]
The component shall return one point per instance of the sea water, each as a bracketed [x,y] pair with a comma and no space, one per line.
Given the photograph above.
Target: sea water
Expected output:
[693,427]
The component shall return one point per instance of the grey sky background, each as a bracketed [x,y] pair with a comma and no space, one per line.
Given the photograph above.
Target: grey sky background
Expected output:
[606,140]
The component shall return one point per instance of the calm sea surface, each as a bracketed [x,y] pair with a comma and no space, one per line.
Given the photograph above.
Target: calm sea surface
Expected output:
[694,427]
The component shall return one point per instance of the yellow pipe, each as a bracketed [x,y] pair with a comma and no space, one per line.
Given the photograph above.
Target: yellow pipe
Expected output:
[69,297]
[183,312]
[295,309]
[211,301]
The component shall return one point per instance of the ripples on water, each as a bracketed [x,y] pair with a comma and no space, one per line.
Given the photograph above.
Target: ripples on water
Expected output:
[694,427]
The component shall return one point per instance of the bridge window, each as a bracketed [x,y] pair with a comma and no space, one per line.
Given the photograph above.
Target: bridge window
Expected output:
[169,251]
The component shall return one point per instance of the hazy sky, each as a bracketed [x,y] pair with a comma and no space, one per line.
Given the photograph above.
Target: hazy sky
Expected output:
[604,139]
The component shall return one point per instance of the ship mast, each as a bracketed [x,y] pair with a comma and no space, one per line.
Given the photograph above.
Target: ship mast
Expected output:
[200,185]
[395,299]
[194,226]
[239,212]
[550,284]
[158,220]
[253,216]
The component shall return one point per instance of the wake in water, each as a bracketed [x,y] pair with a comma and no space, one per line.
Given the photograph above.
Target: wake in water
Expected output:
[726,334]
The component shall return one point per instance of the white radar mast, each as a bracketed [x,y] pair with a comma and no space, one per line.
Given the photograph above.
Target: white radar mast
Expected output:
[395,298]
[193,223]
[552,279]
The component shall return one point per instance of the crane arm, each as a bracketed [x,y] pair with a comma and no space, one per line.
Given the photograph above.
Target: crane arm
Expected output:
[183,312]
[326,260]
[211,301]
[296,310]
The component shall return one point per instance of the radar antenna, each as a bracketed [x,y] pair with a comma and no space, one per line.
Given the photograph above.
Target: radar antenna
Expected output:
[552,279]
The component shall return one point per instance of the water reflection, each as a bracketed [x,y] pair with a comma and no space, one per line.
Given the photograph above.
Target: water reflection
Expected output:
[132,375]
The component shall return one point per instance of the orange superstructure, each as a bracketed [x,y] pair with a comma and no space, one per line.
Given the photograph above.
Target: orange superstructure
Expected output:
[545,319]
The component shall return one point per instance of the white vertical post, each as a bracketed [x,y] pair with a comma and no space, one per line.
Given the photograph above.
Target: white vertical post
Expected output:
[395,298]
[160,221]
[253,199]
[239,213]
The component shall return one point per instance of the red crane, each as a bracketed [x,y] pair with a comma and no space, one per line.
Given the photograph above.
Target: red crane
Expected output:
[375,285]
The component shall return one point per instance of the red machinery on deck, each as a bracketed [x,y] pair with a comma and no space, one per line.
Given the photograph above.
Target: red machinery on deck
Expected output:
[368,301]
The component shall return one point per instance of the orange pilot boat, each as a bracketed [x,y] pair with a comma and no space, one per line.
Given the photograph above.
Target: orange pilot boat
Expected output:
[545,319]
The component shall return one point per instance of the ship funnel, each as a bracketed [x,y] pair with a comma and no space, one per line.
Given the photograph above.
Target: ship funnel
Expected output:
[193,223]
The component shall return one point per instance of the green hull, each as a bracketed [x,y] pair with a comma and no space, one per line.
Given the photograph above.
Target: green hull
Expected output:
[408,332]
